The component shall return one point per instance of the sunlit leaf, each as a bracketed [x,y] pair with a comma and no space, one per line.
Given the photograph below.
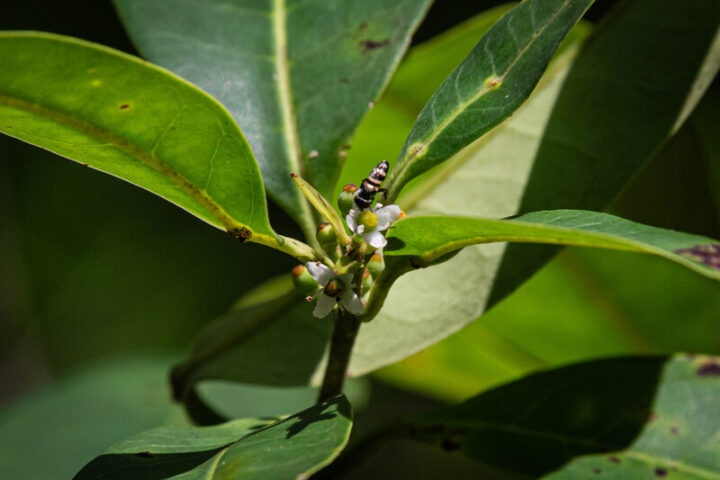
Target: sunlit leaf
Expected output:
[135,121]
[419,241]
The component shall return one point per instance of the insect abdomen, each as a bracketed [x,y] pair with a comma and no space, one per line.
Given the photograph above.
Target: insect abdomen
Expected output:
[371,186]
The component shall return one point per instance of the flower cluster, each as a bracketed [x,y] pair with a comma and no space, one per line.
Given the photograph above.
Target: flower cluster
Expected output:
[352,261]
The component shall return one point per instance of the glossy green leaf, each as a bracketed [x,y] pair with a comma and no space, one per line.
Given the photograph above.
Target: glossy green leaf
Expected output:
[289,449]
[585,304]
[621,418]
[125,117]
[420,241]
[488,86]
[297,76]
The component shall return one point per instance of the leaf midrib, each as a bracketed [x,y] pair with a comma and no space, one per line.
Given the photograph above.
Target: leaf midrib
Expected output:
[132,149]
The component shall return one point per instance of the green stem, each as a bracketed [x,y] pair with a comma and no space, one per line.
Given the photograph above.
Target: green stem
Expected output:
[341,345]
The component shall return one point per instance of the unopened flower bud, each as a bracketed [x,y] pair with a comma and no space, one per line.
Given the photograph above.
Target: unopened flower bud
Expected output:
[326,237]
[376,264]
[302,279]
[346,200]
[367,281]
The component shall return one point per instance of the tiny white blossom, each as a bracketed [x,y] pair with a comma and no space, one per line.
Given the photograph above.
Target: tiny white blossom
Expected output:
[373,235]
[346,298]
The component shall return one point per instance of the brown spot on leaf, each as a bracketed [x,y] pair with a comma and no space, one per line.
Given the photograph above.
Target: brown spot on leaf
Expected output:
[363,26]
[705,254]
[370,45]
[124,106]
[674,431]
[144,454]
[615,459]
[709,369]
[660,472]
[241,234]
[597,471]
[344,80]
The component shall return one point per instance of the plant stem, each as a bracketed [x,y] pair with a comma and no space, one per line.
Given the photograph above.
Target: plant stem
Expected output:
[341,345]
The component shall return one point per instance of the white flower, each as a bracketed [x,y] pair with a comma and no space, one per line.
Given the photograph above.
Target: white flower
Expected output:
[337,289]
[371,222]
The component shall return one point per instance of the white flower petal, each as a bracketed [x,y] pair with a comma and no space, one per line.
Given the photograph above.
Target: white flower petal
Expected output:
[375,239]
[320,272]
[351,220]
[323,306]
[360,229]
[387,215]
[350,302]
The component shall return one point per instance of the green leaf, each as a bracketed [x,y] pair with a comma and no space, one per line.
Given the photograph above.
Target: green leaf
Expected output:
[135,121]
[297,76]
[488,86]
[633,417]
[585,304]
[419,241]
[295,447]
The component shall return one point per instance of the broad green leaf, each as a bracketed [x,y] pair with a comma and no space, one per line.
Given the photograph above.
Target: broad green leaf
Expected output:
[135,121]
[706,126]
[292,448]
[585,304]
[488,86]
[420,241]
[70,422]
[297,76]
[631,417]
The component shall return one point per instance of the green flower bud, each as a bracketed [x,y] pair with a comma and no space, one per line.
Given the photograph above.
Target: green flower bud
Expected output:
[326,236]
[302,279]
[346,200]
[367,281]
[376,264]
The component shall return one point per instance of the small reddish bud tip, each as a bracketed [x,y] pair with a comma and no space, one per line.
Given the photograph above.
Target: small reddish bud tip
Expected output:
[293,175]
[371,105]
[322,226]
[366,273]
[376,257]
[298,270]
[308,298]
[342,154]
[402,215]
[350,188]
[313,154]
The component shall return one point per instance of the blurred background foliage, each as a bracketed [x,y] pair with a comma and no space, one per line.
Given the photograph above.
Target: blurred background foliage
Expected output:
[103,285]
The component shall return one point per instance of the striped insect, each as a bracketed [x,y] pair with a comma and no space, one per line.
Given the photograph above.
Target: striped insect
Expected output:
[371,186]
